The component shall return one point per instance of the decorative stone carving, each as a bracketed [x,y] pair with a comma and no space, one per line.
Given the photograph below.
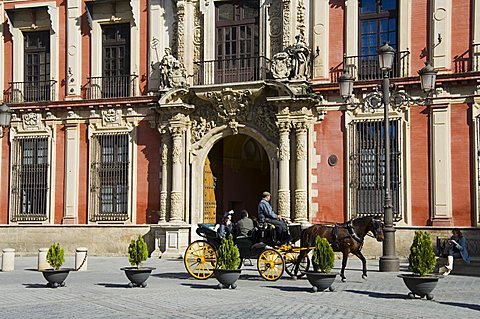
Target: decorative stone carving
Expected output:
[32,121]
[301,16]
[284,204]
[231,104]
[281,66]
[300,205]
[275,13]
[198,35]
[163,206]
[180,24]
[172,72]
[263,117]
[286,23]
[176,206]
[111,117]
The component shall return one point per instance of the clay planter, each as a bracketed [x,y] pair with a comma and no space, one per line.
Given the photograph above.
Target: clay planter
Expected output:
[137,276]
[321,281]
[420,286]
[56,278]
[227,277]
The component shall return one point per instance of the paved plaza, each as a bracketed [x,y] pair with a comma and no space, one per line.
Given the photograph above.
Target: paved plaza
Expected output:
[101,292]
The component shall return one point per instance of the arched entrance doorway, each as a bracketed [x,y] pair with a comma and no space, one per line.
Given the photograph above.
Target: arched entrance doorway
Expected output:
[236,172]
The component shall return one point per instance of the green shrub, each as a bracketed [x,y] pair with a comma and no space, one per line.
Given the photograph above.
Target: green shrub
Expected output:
[55,256]
[422,257]
[323,257]
[137,251]
[228,254]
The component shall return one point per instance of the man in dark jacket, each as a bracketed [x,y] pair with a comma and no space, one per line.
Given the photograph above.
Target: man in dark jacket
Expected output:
[245,225]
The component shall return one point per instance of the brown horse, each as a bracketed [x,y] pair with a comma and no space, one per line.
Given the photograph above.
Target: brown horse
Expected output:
[345,238]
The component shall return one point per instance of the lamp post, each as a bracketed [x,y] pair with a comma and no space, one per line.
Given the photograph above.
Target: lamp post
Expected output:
[382,98]
[5,118]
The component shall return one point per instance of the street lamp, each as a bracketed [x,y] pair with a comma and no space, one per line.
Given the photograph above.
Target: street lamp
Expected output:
[5,118]
[384,98]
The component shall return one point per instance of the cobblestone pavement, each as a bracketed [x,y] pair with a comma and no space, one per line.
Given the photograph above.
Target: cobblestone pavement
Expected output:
[101,292]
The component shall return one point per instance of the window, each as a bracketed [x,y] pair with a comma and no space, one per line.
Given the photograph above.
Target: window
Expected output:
[109,177]
[367,167]
[237,41]
[116,80]
[378,23]
[37,83]
[30,186]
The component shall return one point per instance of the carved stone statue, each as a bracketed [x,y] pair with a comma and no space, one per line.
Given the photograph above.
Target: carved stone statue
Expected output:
[293,62]
[172,72]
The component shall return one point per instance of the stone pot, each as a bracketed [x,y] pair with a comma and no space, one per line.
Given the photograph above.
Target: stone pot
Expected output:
[137,276]
[227,277]
[56,278]
[420,286]
[320,280]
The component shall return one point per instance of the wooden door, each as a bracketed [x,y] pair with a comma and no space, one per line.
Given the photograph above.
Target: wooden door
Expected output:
[209,202]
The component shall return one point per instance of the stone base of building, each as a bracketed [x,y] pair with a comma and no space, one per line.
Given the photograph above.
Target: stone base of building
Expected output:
[171,240]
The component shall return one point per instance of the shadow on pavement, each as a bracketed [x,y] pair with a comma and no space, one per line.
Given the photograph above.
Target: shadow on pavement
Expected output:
[291,289]
[378,294]
[200,286]
[172,275]
[35,285]
[460,304]
[110,285]
[251,277]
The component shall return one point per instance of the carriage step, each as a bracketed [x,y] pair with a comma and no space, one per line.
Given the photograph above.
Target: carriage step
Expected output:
[247,262]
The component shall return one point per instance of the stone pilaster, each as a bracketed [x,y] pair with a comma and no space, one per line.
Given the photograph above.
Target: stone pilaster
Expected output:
[284,170]
[301,173]
[74,50]
[164,186]
[176,195]
[72,149]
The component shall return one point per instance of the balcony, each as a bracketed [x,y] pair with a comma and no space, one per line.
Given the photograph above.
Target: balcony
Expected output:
[23,92]
[365,68]
[111,86]
[231,70]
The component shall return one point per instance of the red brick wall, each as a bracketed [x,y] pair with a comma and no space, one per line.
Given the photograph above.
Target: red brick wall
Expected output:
[461,24]
[5,178]
[419,157]
[419,37]
[336,31]
[59,174]
[330,179]
[148,171]
[461,165]
[83,179]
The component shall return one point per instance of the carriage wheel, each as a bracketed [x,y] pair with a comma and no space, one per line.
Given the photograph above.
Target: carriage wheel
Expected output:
[200,259]
[270,264]
[291,259]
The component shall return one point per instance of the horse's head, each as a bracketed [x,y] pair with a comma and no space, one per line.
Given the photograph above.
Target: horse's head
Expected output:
[376,228]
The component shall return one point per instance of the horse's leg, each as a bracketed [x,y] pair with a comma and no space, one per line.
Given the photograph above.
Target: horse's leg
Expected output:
[344,264]
[300,257]
[364,263]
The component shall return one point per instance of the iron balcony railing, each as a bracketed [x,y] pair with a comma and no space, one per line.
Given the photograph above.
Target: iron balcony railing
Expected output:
[231,70]
[39,91]
[365,67]
[476,57]
[105,87]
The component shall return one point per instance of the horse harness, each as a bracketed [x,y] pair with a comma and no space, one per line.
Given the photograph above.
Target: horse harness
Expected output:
[351,232]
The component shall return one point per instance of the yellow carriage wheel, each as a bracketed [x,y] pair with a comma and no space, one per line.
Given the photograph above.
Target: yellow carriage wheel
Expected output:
[200,259]
[270,264]
[290,260]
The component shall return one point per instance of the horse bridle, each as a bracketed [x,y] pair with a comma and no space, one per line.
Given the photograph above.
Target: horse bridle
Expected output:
[374,231]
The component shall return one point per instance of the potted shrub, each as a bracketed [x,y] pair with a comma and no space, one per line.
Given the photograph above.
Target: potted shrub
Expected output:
[137,254]
[227,272]
[55,276]
[323,260]
[422,263]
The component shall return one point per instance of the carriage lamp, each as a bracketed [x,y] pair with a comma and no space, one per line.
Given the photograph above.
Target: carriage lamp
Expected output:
[5,118]
[383,97]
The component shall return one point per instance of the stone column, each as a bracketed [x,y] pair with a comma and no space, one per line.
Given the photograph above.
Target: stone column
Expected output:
[164,185]
[284,170]
[301,173]
[176,195]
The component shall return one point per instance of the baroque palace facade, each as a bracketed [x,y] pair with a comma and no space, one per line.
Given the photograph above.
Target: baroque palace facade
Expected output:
[152,116]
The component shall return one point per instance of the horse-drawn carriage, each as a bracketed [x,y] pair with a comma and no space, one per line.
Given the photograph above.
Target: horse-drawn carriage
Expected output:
[273,256]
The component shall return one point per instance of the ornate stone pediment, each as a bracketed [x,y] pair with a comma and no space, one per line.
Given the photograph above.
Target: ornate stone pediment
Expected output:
[231,104]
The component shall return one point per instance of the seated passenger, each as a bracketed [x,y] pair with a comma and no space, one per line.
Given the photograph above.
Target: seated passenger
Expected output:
[226,227]
[245,225]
